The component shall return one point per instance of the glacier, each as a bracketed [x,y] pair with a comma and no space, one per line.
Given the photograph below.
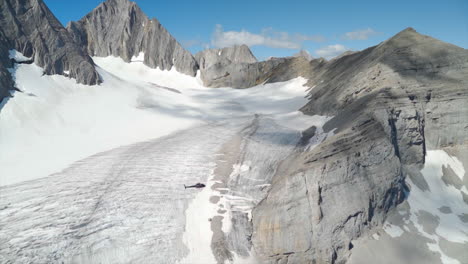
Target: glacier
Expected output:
[96,173]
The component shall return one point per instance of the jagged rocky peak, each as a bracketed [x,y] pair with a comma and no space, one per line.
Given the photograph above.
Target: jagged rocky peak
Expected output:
[120,28]
[235,54]
[30,27]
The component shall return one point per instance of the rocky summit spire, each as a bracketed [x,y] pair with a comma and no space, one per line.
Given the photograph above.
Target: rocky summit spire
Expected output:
[29,27]
[120,28]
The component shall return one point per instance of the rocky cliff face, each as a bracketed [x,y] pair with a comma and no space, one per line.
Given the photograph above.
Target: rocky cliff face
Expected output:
[120,28]
[29,27]
[390,104]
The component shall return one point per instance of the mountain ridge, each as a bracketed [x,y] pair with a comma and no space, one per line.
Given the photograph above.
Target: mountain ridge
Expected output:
[120,28]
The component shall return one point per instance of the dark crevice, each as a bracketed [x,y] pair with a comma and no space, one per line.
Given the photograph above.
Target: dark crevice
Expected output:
[394,134]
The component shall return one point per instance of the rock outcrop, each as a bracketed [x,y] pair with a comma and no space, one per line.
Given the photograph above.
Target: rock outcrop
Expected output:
[29,27]
[6,82]
[120,28]
[390,103]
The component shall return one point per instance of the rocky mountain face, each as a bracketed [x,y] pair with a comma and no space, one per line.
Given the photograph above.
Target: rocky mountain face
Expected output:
[29,27]
[390,103]
[120,28]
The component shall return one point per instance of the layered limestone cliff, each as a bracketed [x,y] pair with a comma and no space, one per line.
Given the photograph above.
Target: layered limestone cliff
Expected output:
[120,28]
[29,27]
[391,103]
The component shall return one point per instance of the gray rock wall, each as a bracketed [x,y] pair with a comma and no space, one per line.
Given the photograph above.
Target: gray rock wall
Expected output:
[30,28]
[120,28]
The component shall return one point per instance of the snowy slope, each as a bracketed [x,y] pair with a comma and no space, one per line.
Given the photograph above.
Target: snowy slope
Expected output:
[55,121]
[431,226]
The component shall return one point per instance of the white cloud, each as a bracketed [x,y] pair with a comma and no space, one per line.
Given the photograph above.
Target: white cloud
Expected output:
[331,51]
[362,34]
[268,37]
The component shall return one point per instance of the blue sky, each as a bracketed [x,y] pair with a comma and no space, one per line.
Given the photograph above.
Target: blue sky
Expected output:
[281,28]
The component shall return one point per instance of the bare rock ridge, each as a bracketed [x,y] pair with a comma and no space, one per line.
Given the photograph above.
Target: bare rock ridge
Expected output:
[120,28]
[390,104]
[29,27]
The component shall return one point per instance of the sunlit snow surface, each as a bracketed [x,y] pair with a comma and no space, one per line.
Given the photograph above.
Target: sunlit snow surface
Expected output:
[153,131]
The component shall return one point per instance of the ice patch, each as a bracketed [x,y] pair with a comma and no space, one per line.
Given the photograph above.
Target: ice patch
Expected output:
[17,56]
[139,58]
[298,121]
[393,230]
